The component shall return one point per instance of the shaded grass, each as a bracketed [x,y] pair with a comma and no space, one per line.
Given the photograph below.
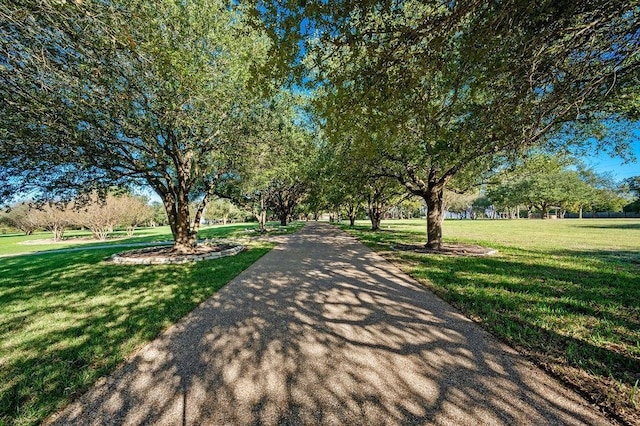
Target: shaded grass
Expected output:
[566,293]
[68,319]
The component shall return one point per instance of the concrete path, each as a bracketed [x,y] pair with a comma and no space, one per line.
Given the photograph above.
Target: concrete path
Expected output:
[323,331]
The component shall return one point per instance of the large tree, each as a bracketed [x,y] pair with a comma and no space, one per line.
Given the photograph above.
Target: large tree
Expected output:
[355,179]
[295,151]
[274,169]
[444,91]
[159,93]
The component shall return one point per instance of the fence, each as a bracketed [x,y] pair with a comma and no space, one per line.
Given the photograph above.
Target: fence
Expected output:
[604,215]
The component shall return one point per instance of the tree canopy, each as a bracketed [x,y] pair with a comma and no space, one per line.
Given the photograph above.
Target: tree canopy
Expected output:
[182,96]
[119,93]
[442,93]
[633,186]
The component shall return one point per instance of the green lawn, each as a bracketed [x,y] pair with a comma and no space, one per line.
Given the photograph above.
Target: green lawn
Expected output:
[68,318]
[564,292]
[10,243]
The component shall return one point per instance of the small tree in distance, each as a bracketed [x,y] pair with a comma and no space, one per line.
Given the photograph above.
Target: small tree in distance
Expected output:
[53,217]
[99,216]
[133,212]
[632,184]
[223,211]
[21,218]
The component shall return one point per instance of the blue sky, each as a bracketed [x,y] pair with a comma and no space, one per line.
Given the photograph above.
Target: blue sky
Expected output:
[615,166]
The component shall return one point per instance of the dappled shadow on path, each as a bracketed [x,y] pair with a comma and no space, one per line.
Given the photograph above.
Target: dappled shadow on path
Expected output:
[322,331]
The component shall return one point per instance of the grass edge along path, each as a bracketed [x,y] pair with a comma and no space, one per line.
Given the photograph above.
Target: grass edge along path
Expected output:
[571,309]
[67,319]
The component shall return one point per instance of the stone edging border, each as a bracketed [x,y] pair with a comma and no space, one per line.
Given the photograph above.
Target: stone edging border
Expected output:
[119,259]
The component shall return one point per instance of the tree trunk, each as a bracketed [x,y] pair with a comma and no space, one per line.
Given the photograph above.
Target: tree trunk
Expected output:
[262,216]
[352,211]
[179,222]
[433,199]
[183,240]
[580,214]
[100,233]
[283,219]
[544,211]
[58,232]
[375,216]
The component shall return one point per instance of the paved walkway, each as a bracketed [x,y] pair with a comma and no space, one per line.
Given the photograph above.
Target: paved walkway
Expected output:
[323,331]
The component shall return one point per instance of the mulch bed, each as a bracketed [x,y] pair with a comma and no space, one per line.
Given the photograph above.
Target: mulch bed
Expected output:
[169,252]
[449,249]
[168,255]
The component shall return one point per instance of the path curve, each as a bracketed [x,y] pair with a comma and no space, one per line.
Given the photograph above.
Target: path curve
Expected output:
[321,330]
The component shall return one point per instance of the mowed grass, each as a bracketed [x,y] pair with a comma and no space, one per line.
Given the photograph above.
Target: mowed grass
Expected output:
[67,319]
[11,244]
[564,292]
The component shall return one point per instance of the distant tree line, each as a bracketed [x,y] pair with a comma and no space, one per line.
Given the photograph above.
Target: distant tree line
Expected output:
[632,185]
[545,184]
[101,217]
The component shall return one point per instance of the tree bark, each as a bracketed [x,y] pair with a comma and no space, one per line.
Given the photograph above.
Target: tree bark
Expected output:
[177,208]
[262,216]
[433,199]
[58,232]
[375,215]
[432,192]
[544,211]
[352,211]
